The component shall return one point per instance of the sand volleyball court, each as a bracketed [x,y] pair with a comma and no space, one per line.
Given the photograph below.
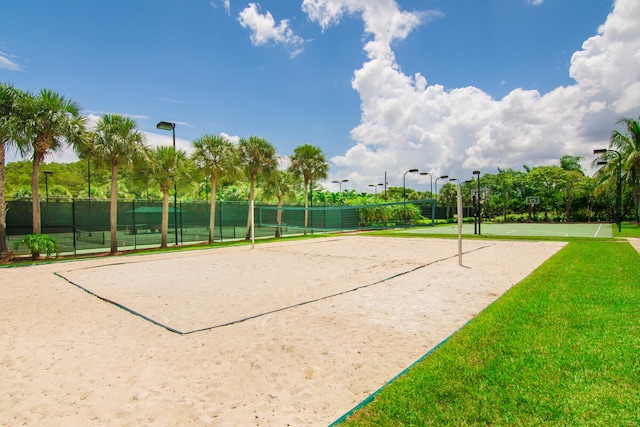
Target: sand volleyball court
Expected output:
[290,333]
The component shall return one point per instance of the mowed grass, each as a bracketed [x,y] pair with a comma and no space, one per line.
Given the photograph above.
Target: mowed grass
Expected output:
[561,348]
[628,229]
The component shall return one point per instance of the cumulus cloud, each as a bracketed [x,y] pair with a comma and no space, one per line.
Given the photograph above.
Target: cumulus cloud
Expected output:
[264,30]
[7,64]
[408,123]
[225,3]
[535,2]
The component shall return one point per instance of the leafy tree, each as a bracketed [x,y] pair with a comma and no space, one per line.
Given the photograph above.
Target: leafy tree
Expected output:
[217,157]
[628,145]
[51,121]
[308,162]
[116,141]
[448,196]
[257,158]
[503,188]
[571,163]
[587,190]
[281,185]
[11,120]
[547,180]
[168,166]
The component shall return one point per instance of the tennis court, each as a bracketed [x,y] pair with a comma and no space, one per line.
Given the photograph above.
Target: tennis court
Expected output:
[596,230]
[289,333]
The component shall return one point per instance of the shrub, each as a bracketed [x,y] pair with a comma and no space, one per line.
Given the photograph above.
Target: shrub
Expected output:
[39,243]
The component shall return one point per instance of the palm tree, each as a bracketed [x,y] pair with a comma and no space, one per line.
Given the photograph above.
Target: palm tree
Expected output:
[10,126]
[281,185]
[449,196]
[628,145]
[309,163]
[116,141]
[257,157]
[168,166]
[217,157]
[52,120]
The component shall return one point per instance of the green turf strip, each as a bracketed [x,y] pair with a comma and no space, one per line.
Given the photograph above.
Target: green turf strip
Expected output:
[560,348]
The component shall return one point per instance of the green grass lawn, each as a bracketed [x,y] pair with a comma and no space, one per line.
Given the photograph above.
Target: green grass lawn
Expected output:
[628,229]
[561,348]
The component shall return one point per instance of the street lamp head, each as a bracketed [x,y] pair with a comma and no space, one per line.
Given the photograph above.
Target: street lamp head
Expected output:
[166,125]
[444,176]
[600,151]
[345,180]
[412,170]
[425,173]
[335,182]
[476,172]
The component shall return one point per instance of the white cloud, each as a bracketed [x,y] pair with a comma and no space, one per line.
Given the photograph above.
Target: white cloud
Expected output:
[225,3]
[8,64]
[407,123]
[233,139]
[264,30]
[535,2]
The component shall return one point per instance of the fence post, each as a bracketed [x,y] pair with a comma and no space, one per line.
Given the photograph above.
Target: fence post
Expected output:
[73,224]
[219,215]
[134,230]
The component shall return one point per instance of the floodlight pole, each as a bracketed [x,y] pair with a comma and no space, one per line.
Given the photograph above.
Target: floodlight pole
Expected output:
[430,182]
[440,177]
[619,195]
[172,126]
[89,177]
[460,215]
[340,183]
[404,183]
[479,206]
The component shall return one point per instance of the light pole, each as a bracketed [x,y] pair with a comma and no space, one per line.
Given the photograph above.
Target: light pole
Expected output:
[441,177]
[619,195]
[89,177]
[375,187]
[340,183]
[404,183]
[460,215]
[172,127]
[478,206]
[46,183]
[430,182]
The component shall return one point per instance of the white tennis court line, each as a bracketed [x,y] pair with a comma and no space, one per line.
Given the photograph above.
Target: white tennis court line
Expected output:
[598,230]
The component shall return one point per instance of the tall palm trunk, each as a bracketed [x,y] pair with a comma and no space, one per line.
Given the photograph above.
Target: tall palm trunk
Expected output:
[4,247]
[165,216]
[252,190]
[279,217]
[212,209]
[35,196]
[113,212]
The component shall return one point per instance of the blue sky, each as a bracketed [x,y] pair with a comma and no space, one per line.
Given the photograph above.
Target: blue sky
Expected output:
[380,85]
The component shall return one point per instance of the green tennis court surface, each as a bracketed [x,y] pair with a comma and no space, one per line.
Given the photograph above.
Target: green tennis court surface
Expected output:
[529,230]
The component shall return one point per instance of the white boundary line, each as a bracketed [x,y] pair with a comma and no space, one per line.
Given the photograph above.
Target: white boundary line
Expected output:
[598,230]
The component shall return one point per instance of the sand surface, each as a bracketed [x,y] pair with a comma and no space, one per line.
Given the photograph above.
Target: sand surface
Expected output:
[293,333]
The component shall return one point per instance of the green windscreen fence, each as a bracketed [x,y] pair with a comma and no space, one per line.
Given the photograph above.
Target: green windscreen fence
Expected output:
[344,218]
[82,226]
